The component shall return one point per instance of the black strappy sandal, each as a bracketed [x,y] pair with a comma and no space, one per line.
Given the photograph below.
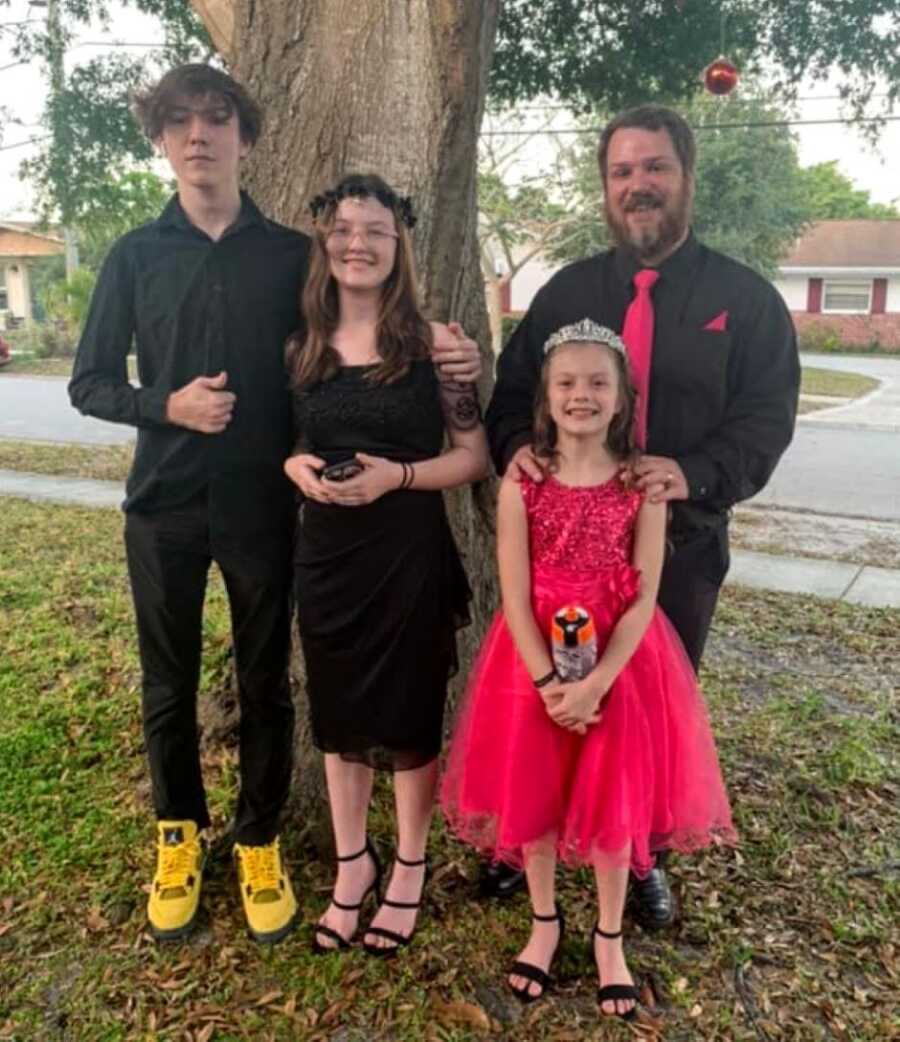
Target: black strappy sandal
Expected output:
[534,973]
[400,940]
[343,943]
[613,992]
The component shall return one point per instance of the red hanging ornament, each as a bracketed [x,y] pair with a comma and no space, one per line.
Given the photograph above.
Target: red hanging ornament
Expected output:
[721,76]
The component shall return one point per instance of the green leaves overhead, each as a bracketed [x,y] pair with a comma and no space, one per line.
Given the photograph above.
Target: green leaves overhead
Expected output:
[620,52]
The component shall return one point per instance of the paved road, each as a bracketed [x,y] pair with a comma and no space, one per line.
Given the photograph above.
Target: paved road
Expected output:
[845,460]
[38,409]
[838,470]
[878,410]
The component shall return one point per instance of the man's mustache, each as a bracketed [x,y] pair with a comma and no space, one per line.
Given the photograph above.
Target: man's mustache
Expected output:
[637,199]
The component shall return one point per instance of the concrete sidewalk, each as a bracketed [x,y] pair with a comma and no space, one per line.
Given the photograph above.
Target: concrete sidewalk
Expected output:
[837,580]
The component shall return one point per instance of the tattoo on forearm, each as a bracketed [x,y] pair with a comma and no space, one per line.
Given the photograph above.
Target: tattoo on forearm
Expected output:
[462,410]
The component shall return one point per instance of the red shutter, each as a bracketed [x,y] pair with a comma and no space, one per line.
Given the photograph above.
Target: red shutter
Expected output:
[879,296]
[506,297]
[814,296]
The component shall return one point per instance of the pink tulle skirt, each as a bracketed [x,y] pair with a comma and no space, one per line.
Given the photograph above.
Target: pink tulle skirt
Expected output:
[645,778]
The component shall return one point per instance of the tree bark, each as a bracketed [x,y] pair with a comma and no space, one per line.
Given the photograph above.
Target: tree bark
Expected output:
[391,86]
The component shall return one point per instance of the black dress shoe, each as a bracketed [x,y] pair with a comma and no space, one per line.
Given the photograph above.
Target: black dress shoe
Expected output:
[497,879]
[652,900]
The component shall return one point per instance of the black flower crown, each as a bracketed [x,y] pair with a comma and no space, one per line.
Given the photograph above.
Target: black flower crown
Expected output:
[327,201]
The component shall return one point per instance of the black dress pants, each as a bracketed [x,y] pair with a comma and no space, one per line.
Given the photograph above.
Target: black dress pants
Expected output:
[692,576]
[169,554]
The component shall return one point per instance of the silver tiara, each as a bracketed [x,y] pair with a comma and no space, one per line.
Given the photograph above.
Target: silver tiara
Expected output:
[586,331]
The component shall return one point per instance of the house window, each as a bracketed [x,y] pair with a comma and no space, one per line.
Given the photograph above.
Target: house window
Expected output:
[847,297]
[4,296]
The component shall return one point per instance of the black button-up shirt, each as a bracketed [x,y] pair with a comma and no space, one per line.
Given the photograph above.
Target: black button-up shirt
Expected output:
[194,307]
[722,402]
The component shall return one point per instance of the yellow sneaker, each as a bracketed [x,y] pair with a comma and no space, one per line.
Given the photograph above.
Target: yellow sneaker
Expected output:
[269,902]
[175,895]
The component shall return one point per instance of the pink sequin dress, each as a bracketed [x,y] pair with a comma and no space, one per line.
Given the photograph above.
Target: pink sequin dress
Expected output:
[646,773]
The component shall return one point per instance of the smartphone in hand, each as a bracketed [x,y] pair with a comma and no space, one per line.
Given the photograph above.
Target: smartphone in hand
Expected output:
[342,471]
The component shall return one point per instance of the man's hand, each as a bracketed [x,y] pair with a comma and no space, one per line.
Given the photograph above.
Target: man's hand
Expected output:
[202,405]
[524,464]
[456,356]
[661,479]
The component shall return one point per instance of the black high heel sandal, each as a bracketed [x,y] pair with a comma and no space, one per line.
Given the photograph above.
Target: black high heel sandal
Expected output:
[399,940]
[613,992]
[343,943]
[534,973]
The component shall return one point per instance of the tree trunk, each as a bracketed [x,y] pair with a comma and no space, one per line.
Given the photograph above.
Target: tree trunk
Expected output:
[391,87]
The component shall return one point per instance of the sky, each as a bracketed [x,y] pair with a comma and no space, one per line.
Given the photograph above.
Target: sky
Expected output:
[23,89]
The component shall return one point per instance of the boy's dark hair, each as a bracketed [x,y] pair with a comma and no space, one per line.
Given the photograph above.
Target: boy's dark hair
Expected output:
[652,117]
[151,107]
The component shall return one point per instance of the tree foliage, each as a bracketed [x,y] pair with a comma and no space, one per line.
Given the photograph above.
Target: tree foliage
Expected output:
[117,205]
[832,195]
[89,135]
[619,52]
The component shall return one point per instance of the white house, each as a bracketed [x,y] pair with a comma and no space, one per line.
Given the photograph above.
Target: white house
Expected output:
[20,245]
[843,277]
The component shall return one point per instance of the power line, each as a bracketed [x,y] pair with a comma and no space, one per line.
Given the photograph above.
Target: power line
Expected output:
[850,121]
[744,97]
[22,144]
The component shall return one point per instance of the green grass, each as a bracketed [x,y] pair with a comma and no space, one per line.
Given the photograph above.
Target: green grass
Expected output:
[102,462]
[26,364]
[834,383]
[801,925]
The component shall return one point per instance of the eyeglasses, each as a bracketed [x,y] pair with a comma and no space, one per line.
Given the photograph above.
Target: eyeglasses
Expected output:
[343,236]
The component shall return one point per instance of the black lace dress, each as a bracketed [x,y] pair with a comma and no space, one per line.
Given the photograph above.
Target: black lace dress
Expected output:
[380,588]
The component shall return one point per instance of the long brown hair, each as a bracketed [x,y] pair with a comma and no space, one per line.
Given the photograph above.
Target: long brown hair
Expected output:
[619,436]
[402,334]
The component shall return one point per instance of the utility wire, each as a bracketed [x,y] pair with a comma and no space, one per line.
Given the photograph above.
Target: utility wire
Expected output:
[848,121]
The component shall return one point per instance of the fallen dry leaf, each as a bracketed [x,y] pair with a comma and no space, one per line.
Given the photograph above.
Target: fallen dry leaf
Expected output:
[95,921]
[461,1012]
[270,996]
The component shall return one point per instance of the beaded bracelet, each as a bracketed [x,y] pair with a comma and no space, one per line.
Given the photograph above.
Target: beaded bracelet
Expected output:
[548,679]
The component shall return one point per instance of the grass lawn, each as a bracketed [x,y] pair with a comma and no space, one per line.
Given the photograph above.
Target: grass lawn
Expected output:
[32,365]
[102,462]
[837,384]
[796,936]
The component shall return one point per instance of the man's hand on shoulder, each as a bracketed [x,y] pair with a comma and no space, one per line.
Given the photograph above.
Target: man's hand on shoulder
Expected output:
[202,405]
[661,479]
[524,464]
[456,356]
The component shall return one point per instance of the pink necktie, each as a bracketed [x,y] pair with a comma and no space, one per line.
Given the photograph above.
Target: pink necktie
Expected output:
[638,336]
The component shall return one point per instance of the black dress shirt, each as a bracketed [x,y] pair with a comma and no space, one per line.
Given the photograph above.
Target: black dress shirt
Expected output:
[722,403]
[194,307]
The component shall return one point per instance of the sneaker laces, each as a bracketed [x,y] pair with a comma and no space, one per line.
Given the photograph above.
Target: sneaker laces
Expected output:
[262,872]
[177,863]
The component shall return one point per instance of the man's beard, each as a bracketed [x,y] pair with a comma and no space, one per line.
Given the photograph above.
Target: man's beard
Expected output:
[647,242]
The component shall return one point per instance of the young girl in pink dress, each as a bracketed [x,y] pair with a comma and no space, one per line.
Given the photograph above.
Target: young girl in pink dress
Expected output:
[612,768]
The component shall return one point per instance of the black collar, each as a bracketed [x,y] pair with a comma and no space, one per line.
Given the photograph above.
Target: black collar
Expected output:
[677,267]
[173,216]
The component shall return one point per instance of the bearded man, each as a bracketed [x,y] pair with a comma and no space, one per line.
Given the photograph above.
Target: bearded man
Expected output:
[713,354]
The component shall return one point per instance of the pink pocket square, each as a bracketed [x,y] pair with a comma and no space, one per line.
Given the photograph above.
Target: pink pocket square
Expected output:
[718,324]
